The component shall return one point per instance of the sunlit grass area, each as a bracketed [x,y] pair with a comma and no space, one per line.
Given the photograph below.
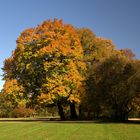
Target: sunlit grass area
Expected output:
[50,130]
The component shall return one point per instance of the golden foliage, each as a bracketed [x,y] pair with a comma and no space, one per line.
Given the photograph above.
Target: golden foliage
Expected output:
[52,50]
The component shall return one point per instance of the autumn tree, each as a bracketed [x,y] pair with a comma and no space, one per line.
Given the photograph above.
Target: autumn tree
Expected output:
[46,63]
[96,50]
[134,82]
[128,53]
[6,106]
[14,92]
[12,97]
[113,78]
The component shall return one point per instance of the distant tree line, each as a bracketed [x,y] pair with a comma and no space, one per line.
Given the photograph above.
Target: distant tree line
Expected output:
[84,76]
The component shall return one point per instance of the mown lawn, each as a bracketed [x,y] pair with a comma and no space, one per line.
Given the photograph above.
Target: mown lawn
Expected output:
[45,130]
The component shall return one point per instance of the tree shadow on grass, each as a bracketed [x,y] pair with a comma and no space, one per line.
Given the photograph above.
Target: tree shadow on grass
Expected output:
[93,122]
[57,120]
[117,122]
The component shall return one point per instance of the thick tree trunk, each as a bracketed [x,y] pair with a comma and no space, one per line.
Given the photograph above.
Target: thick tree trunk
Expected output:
[80,112]
[121,116]
[124,117]
[60,110]
[73,111]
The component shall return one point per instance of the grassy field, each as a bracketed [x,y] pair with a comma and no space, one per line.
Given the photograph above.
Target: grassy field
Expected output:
[45,130]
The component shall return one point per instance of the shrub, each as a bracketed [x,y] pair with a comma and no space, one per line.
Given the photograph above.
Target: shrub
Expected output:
[22,112]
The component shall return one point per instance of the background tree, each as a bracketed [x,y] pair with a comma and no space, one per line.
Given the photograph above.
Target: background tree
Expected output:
[113,86]
[13,102]
[134,82]
[6,106]
[128,53]
[14,92]
[96,50]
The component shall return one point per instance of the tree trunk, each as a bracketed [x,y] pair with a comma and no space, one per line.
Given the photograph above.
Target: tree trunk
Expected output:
[60,110]
[123,117]
[73,111]
[80,112]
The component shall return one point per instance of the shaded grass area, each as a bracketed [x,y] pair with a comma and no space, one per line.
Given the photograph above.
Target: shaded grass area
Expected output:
[53,130]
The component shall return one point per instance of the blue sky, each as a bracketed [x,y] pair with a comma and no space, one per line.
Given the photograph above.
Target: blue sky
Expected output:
[118,20]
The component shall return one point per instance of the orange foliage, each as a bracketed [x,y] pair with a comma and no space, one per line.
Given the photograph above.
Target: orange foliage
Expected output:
[51,52]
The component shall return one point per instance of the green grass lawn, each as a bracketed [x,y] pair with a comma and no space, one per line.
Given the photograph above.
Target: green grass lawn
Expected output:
[44,130]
